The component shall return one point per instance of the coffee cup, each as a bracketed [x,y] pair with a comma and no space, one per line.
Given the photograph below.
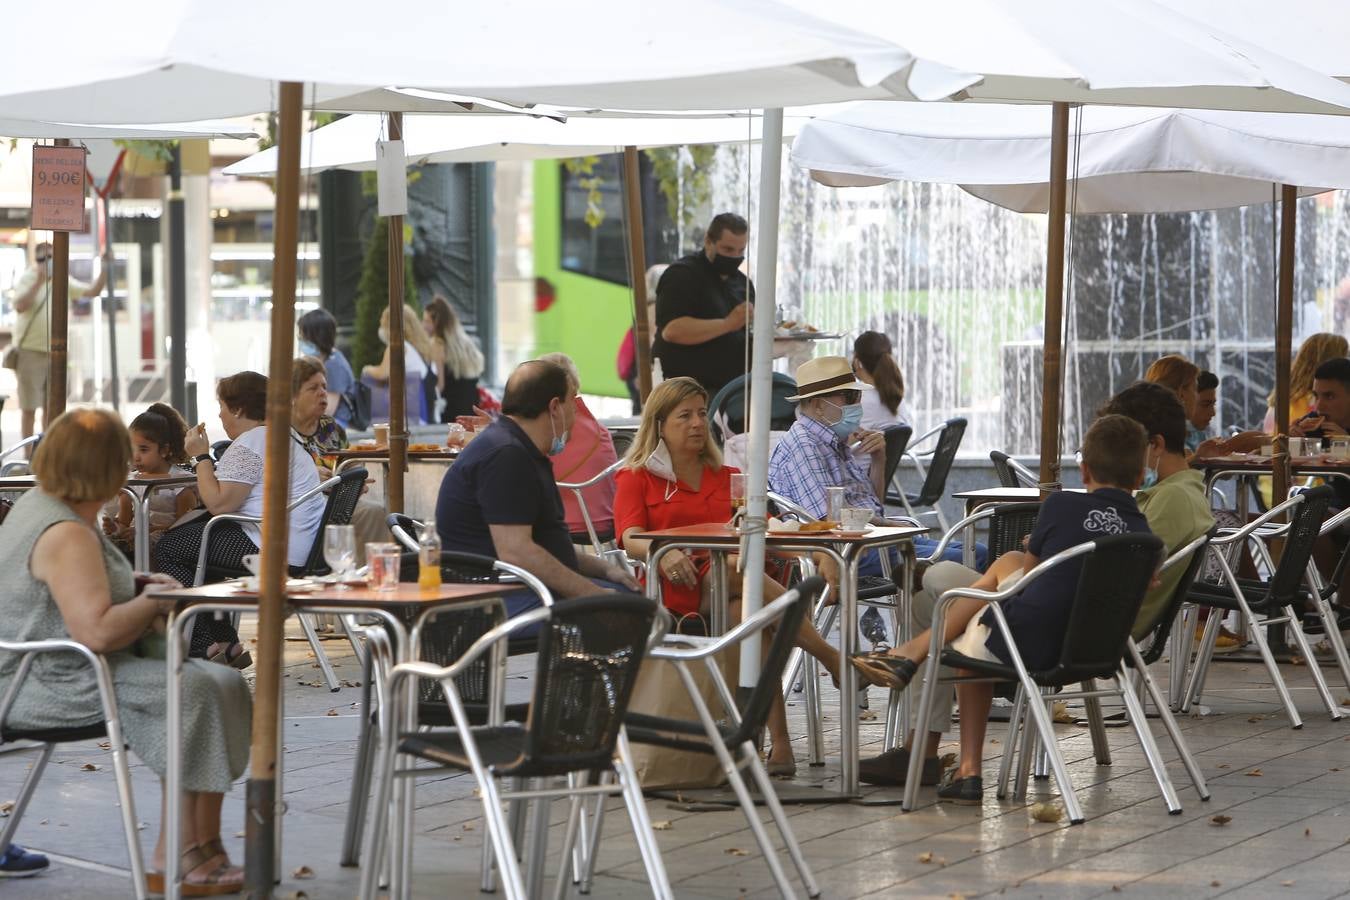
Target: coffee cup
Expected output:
[381,434]
[854,518]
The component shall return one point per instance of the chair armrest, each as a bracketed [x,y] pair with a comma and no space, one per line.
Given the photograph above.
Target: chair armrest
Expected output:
[503,631]
[31,649]
[762,619]
[1251,527]
[206,536]
[790,507]
[594,479]
[1184,553]
[956,530]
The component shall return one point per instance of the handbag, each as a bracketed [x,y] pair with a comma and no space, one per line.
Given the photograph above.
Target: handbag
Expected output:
[357,404]
[11,360]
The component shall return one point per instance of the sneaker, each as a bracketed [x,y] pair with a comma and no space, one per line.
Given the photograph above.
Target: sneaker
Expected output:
[1222,644]
[17,862]
[892,767]
[968,791]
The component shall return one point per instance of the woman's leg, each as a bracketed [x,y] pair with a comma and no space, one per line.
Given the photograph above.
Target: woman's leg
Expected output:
[973,700]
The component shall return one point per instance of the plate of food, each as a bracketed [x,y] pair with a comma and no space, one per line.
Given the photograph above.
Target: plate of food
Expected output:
[854,532]
[249,585]
[422,447]
[792,526]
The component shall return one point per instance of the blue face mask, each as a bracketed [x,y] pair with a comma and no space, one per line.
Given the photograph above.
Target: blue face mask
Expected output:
[1150,477]
[308,349]
[559,440]
[850,418]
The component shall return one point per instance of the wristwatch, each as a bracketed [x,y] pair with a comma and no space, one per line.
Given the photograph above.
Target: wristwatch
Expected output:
[198,460]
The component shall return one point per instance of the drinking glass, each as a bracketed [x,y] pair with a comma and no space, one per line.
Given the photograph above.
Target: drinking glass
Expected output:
[339,551]
[383,561]
[834,510]
[737,496]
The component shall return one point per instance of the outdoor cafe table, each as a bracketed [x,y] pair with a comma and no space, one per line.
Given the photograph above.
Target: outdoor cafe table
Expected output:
[426,469]
[407,602]
[140,505]
[846,550]
[1242,466]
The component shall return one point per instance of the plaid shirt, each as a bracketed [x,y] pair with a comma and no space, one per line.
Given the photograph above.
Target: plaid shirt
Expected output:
[809,459]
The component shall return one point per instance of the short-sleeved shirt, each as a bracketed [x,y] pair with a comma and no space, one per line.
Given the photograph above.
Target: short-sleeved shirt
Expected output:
[501,478]
[810,459]
[1177,512]
[589,451]
[338,372]
[692,287]
[1039,615]
[242,463]
[646,500]
[32,326]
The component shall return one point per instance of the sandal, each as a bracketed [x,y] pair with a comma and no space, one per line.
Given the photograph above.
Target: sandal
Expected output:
[895,672]
[241,660]
[866,678]
[223,879]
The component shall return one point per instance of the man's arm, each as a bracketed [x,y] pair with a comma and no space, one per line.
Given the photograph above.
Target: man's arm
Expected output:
[515,545]
[26,291]
[595,567]
[689,330]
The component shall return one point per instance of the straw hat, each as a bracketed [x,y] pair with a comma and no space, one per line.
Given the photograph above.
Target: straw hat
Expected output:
[826,375]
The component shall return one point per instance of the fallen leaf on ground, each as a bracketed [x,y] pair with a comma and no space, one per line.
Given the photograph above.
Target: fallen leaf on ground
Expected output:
[1335,768]
[105,745]
[1254,773]
[6,807]
[993,740]
[332,712]
[1223,765]
[736,851]
[663,825]
[295,895]
[1255,718]
[926,857]
[1286,884]
[1061,713]
[866,715]
[303,872]
[1220,820]
[351,684]
[1115,889]
[1307,832]
[88,767]
[467,826]
[1297,661]
[1047,812]
[239,834]
[1215,884]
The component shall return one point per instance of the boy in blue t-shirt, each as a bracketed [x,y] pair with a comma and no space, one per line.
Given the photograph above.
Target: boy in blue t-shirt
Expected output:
[1112,466]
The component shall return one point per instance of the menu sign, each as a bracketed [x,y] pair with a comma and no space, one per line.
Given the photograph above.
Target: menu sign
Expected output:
[58,189]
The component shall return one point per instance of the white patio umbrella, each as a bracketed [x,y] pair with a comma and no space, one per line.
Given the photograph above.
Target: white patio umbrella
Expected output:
[22,128]
[1137,160]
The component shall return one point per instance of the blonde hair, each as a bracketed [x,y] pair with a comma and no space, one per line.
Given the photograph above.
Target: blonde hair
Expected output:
[664,398]
[459,352]
[568,365]
[413,332]
[1314,351]
[84,455]
[1173,372]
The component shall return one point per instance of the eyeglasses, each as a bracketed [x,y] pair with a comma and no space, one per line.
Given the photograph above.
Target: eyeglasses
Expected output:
[850,396]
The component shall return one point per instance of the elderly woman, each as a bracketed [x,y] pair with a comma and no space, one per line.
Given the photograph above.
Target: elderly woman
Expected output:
[674,476]
[235,485]
[65,580]
[588,452]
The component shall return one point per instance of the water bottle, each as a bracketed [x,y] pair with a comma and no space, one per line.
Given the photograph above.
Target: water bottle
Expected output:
[429,557]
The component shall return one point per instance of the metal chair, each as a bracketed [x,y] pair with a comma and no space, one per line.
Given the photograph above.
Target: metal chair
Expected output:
[1266,604]
[1114,577]
[729,733]
[940,459]
[589,652]
[1010,472]
[897,441]
[47,739]
[7,463]
[601,542]
[728,406]
[444,636]
[343,492]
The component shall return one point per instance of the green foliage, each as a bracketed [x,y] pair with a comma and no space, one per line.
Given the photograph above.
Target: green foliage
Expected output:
[159,151]
[372,294]
[585,166]
[683,177]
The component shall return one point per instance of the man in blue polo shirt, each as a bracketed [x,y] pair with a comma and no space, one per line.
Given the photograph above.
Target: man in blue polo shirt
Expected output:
[499,498]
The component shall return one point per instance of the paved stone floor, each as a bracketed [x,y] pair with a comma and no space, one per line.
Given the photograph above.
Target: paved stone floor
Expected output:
[1285,795]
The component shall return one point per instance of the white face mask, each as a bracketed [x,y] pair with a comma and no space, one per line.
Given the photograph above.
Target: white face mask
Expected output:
[659,464]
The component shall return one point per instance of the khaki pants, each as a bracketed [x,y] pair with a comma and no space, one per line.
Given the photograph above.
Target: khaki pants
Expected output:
[940,578]
[32,377]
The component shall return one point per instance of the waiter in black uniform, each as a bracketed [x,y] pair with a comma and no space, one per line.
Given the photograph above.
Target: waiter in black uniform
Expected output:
[703,302]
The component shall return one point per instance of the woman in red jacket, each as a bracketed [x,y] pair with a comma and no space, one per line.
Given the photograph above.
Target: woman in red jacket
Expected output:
[674,476]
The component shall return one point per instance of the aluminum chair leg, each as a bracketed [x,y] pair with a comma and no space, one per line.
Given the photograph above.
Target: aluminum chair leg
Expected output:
[307,625]
[361,775]
[1169,722]
[927,697]
[780,819]
[536,848]
[1334,638]
[25,794]
[1310,660]
[1200,671]
[1010,746]
[1179,653]
[1092,706]
[815,731]
[567,858]
[642,824]
[1046,729]
[378,841]
[1028,750]
[1263,646]
[593,848]
[766,847]
[1135,713]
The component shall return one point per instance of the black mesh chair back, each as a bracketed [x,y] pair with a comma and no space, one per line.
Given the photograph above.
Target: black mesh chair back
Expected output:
[1009,524]
[944,454]
[1286,585]
[1161,627]
[339,509]
[757,706]
[1006,476]
[731,401]
[590,649]
[897,439]
[623,439]
[408,525]
[1111,587]
[219,447]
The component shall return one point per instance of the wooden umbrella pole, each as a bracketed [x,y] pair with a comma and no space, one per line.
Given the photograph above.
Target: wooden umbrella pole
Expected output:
[637,269]
[261,825]
[1284,333]
[1054,298]
[398,414]
[59,319]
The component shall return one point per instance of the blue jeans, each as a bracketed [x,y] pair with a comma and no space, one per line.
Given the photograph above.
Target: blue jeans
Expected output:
[923,546]
[523,601]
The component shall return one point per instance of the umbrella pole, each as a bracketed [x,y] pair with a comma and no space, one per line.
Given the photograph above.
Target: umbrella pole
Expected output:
[260,837]
[109,290]
[761,389]
[398,414]
[177,211]
[1284,326]
[59,312]
[1054,299]
[637,274]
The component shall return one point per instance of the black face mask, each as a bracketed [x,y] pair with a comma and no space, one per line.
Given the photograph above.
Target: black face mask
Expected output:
[726,265]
